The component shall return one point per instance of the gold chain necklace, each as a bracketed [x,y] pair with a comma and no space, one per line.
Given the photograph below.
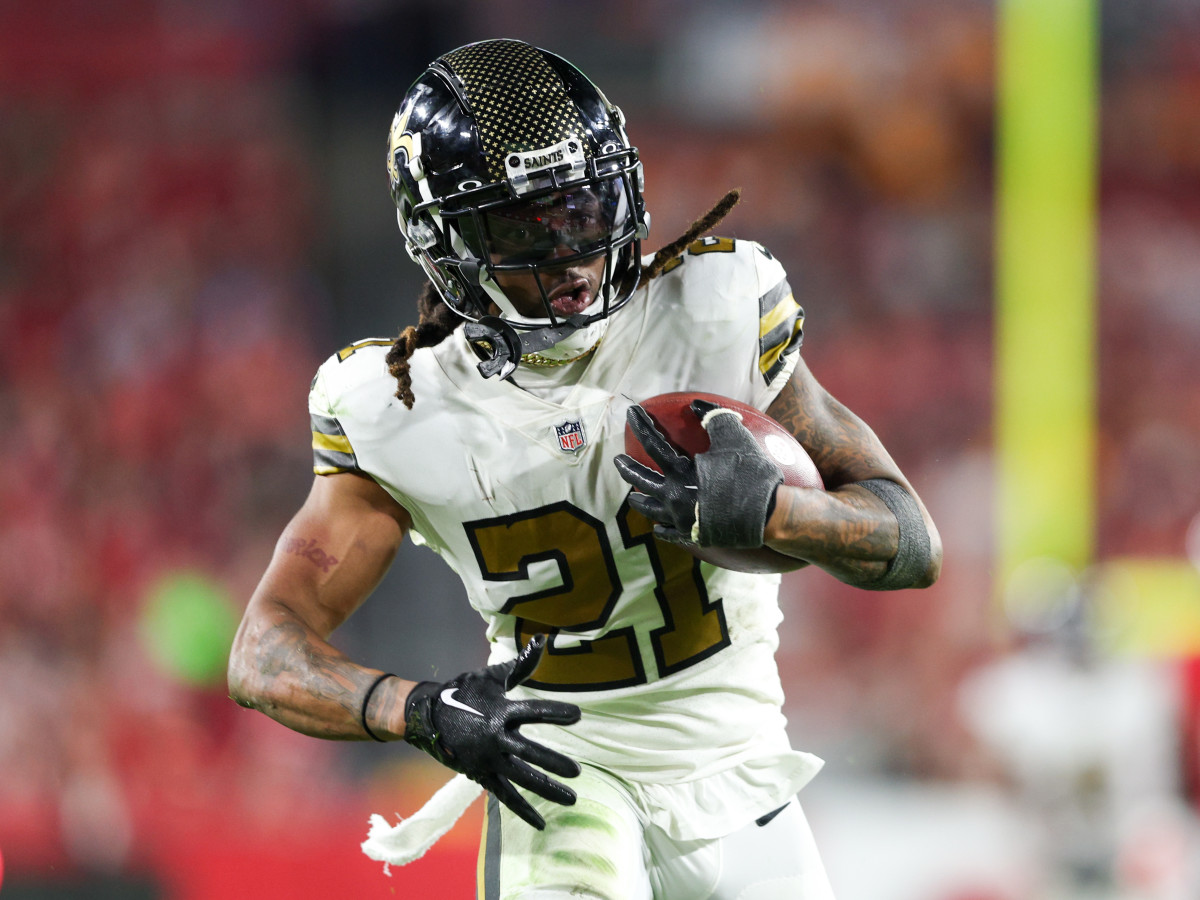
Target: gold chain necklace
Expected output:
[537,361]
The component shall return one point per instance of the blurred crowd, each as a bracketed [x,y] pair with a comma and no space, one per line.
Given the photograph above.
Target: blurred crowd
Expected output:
[158,309]
[174,261]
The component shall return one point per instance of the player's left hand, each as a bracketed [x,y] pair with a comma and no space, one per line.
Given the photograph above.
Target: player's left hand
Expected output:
[722,498]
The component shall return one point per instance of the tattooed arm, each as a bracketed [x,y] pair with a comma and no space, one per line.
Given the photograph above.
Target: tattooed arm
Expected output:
[846,530]
[332,554]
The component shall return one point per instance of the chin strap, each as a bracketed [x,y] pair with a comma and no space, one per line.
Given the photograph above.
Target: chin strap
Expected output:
[503,347]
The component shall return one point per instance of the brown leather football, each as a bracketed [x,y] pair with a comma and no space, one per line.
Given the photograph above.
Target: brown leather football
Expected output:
[673,416]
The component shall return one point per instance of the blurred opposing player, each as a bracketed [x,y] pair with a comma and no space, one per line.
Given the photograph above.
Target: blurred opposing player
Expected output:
[492,432]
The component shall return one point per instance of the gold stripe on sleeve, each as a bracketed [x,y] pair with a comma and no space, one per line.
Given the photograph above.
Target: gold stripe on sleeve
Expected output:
[338,443]
[784,309]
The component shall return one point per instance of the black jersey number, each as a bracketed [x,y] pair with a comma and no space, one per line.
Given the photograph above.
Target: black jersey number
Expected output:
[577,544]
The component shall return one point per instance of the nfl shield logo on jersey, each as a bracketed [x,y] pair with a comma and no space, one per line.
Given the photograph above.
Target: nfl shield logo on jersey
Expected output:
[570,436]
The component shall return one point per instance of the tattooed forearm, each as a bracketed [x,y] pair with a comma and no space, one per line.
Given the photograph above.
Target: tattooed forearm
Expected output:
[332,555]
[288,672]
[290,650]
[846,533]
[846,529]
[844,448]
[864,539]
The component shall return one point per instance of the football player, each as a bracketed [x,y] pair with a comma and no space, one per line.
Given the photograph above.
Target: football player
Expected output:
[628,727]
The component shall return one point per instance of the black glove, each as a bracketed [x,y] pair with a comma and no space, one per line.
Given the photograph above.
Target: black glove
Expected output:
[722,498]
[469,725]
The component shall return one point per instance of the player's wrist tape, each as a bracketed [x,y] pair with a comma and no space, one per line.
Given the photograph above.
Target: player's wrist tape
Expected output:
[362,712]
[913,554]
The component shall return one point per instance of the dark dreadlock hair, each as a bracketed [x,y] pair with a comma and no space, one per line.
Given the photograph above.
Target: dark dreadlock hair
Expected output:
[436,321]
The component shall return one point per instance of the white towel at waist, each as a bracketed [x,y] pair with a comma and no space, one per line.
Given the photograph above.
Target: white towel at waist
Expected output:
[410,838]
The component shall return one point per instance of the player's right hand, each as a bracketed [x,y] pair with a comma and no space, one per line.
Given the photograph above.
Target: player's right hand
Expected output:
[469,725]
[722,498]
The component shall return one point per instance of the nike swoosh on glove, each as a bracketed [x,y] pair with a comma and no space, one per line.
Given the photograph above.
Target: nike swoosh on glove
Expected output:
[722,498]
[469,725]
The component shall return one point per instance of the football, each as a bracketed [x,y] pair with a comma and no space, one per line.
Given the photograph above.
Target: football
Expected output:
[681,427]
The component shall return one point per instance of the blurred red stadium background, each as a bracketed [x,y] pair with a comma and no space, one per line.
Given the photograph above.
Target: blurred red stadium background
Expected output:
[193,214]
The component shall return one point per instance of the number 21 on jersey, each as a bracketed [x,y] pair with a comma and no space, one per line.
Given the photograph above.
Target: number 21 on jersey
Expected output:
[693,626]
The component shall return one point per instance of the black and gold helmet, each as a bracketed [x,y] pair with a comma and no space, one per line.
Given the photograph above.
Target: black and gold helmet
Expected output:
[487,133]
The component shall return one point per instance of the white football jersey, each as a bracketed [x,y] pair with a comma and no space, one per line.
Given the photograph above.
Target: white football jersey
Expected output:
[670,659]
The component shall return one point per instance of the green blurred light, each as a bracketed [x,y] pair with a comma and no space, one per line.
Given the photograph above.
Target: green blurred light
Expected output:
[187,626]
